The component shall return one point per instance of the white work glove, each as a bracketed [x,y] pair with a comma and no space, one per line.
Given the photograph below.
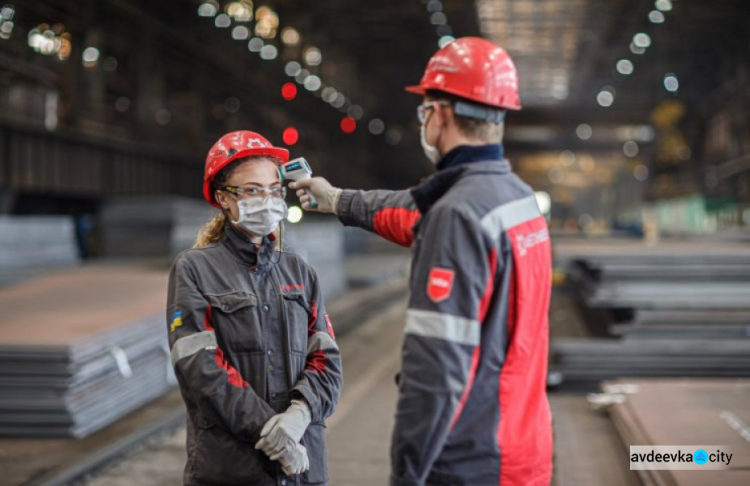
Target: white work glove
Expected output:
[295,461]
[326,195]
[283,431]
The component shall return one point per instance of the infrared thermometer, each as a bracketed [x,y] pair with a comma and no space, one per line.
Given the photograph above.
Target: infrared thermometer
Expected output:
[296,170]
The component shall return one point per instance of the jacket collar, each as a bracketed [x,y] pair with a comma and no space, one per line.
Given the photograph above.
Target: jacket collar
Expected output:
[434,187]
[466,154]
[246,251]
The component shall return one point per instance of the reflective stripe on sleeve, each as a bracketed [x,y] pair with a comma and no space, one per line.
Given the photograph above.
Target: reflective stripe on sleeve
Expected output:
[443,326]
[320,341]
[189,345]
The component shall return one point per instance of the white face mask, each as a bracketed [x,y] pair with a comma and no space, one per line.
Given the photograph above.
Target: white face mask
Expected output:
[261,216]
[430,151]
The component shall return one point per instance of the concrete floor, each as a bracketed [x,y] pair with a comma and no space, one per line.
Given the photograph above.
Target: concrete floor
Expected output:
[588,452]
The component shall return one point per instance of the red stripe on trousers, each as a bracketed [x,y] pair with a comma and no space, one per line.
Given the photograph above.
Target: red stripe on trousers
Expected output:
[396,224]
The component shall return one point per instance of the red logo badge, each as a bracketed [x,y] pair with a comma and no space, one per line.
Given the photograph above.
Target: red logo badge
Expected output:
[439,284]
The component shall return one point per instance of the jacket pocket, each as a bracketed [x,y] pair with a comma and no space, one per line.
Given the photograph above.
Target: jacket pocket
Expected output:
[235,318]
[315,442]
[299,314]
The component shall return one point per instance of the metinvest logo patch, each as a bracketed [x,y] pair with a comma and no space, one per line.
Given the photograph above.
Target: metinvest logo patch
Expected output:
[680,457]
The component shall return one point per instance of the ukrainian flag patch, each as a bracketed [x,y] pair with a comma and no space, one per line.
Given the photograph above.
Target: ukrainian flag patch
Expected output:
[176,321]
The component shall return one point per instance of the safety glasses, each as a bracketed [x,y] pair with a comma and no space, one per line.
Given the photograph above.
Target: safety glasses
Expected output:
[253,191]
[422,109]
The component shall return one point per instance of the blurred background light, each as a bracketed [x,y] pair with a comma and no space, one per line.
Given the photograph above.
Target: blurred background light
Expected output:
[671,83]
[290,136]
[312,56]
[584,131]
[663,5]
[90,57]
[348,125]
[208,9]
[240,11]
[269,52]
[255,44]
[624,66]
[356,112]
[292,68]
[376,126]
[222,21]
[445,40]
[630,148]
[606,96]
[295,214]
[290,36]
[240,32]
[289,91]
[312,83]
[656,17]
[642,40]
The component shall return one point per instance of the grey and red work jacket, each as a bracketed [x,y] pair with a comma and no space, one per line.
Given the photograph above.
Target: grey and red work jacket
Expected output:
[472,406]
[248,332]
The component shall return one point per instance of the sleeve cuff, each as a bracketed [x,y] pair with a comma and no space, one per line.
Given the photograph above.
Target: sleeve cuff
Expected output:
[344,207]
[311,400]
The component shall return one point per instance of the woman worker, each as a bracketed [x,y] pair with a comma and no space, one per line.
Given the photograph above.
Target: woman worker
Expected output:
[252,346]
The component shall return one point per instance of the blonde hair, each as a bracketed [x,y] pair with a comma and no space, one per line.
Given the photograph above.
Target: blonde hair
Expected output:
[213,231]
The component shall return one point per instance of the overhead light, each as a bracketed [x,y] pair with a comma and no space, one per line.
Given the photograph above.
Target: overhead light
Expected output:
[348,125]
[208,9]
[642,40]
[290,36]
[445,40]
[671,83]
[290,136]
[312,83]
[640,172]
[222,21]
[292,68]
[302,76]
[289,91]
[295,214]
[663,5]
[606,96]
[269,52]
[630,148]
[376,126]
[434,6]
[584,131]
[636,50]
[240,33]
[90,57]
[625,67]
[656,17]
[240,11]
[339,101]
[355,111]
[312,56]
[255,44]
[328,94]
[438,18]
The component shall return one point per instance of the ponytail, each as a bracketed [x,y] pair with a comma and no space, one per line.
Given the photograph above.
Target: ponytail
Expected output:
[211,232]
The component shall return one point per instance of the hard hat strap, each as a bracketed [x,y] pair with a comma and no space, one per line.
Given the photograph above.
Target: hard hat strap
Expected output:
[471,110]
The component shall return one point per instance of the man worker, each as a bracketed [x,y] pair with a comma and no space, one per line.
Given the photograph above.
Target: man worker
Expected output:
[472,407]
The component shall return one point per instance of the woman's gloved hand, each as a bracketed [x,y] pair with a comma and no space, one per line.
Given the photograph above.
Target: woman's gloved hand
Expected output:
[283,431]
[326,195]
[295,461]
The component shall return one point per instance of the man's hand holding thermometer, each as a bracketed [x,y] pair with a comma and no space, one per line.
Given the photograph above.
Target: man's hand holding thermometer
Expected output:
[315,193]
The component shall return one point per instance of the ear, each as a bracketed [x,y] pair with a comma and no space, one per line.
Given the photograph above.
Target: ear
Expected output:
[441,113]
[221,198]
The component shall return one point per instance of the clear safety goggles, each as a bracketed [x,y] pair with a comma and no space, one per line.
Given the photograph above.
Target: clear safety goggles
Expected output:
[422,109]
[248,192]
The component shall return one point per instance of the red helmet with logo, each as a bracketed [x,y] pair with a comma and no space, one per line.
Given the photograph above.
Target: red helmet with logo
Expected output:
[474,69]
[234,146]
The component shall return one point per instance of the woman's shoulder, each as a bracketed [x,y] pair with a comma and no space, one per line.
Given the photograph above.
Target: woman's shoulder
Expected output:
[191,256]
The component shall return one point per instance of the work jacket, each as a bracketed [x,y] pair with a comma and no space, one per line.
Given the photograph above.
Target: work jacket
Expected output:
[472,406]
[248,332]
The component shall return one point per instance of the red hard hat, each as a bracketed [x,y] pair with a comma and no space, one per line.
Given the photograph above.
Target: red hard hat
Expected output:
[233,146]
[474,69]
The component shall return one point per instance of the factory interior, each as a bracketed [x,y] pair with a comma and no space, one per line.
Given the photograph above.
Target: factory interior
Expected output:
[633,134]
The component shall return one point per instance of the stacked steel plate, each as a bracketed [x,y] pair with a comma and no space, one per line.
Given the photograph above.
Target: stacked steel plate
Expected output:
[677,309]
[80,349]
[685,413]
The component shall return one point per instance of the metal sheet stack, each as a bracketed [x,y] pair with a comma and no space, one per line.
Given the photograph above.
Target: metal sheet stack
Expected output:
[676,309]
[32,245]
[80,349]
[685,413]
